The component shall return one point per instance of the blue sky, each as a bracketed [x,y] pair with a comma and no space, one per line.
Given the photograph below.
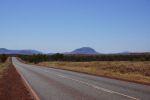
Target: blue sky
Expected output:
[63,25]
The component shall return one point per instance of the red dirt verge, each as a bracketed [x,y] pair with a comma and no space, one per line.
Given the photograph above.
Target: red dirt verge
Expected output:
[12,86]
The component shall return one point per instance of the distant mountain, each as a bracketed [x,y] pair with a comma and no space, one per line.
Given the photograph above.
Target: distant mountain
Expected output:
[23,52]
[84,50]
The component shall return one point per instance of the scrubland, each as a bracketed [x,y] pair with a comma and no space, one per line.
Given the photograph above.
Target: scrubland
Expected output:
[136,71]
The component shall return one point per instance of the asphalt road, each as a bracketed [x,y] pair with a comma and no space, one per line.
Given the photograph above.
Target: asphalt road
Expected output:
[56,84]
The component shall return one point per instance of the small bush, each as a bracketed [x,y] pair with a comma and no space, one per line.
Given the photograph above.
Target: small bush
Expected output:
[3,58]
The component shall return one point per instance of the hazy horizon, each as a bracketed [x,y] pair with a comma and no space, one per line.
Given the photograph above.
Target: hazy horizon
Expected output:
[108,26]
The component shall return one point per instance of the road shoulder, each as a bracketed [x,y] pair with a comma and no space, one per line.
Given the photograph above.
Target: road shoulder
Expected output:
[11,85]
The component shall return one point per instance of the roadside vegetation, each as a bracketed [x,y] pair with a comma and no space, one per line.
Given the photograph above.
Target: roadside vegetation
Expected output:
[3,65]
[137,71]
[3,58]
[84,58]
[132,67]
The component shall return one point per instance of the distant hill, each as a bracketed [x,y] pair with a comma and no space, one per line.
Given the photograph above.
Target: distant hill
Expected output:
[84,50]
[23,52]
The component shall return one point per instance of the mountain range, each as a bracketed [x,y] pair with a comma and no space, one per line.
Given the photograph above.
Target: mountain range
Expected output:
[21,52]
[83,50]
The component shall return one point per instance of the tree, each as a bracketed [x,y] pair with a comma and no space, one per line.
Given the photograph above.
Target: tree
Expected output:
[3,57]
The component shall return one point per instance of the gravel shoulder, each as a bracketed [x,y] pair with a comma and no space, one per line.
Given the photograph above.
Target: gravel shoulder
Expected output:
[11,85]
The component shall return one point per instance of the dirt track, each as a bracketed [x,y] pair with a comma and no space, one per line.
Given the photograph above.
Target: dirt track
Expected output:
[12,87]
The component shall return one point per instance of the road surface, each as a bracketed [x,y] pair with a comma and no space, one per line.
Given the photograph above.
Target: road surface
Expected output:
[56,84]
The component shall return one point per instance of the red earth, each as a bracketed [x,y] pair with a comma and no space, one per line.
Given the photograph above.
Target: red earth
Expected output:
[12,86]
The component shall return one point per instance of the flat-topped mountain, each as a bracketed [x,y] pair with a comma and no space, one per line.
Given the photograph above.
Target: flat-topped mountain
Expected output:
[84,50]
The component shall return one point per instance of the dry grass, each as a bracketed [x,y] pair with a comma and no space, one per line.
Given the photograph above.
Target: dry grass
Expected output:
[3,66]
[127,70]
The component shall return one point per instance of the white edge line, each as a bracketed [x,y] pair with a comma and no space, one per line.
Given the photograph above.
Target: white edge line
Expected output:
[100,88]
[32,92]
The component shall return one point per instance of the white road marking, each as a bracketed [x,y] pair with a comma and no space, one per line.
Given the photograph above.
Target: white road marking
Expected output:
[99,88]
